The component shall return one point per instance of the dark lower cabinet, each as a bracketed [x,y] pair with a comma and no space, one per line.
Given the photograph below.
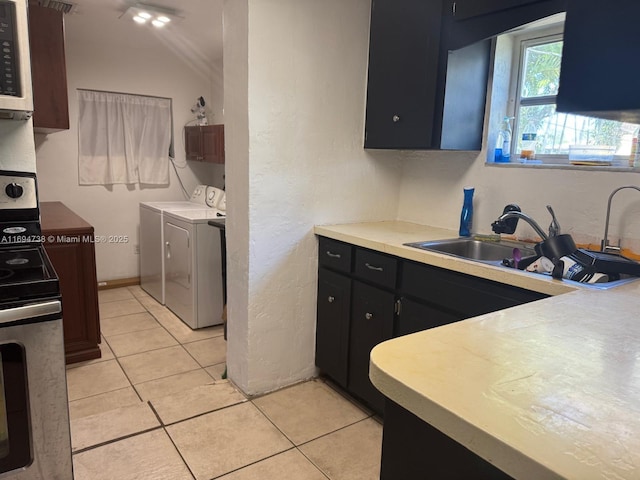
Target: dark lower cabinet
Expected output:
[366,297]
[414,450]
[372,319]
[332,329]
[414,317]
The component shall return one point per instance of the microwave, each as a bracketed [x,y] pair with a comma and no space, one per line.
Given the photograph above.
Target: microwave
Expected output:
[16,95]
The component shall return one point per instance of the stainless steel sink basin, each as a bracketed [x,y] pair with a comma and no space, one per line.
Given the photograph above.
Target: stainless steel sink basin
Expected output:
[472,249]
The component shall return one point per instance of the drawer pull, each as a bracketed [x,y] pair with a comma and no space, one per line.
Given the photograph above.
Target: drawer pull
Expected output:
[368,316]
[333,255]
[331,299]
[373,267]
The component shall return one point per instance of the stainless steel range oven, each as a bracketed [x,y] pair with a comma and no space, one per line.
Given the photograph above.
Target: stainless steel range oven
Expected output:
[34,418]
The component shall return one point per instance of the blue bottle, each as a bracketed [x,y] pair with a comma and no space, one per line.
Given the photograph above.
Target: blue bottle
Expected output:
[466,216]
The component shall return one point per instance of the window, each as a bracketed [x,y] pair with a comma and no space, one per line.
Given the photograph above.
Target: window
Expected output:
[558,138]
[123,138]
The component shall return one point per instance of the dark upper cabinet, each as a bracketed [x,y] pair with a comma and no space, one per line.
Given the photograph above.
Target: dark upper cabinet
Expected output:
[600,68]
[404,49]
[416,87]
[470,21]
[474,8]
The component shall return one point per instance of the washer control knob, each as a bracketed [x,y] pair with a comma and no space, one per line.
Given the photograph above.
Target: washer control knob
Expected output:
[13,190]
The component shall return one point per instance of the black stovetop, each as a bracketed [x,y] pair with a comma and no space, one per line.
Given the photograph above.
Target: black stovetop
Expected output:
[25,274]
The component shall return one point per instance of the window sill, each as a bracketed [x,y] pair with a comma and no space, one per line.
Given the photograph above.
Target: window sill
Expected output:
[556,166]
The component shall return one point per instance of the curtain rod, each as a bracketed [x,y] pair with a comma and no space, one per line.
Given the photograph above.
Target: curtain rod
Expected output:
[122,93]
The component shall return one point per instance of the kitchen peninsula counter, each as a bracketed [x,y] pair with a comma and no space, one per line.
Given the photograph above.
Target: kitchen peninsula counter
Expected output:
[549,389]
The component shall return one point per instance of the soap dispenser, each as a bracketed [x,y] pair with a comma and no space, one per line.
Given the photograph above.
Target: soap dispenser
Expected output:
[503,155]
[466,216]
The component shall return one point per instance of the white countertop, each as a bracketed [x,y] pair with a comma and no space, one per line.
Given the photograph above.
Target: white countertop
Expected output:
[549,389]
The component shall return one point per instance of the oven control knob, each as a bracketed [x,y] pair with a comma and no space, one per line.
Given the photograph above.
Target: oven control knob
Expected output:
[13,190]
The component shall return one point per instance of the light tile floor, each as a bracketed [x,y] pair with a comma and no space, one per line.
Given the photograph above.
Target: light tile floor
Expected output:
[154,407]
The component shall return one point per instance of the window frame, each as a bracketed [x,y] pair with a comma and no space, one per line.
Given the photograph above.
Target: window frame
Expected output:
[528,37]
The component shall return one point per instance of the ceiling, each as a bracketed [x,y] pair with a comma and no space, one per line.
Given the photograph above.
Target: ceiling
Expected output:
[197,36]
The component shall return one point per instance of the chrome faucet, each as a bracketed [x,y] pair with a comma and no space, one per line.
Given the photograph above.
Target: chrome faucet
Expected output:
[513,212]
[604,244]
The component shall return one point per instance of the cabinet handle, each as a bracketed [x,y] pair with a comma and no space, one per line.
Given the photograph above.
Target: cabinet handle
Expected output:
[373,267]
[396,119]
[454,8]
[168,248]
[333,255]
[398,307]
[368,316]
[331,299]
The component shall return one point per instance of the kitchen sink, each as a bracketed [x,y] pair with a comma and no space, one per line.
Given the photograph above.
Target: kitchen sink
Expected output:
[500,253]
[474,249]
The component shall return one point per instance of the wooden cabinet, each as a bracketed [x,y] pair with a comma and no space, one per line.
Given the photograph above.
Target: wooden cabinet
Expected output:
[599,73]
[204,143]
[48,69]
[418,96]
[70,246]
[366,297]
[470,21]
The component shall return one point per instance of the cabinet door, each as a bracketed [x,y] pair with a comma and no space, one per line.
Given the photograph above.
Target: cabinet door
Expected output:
[332,330]
[193,143]
[599,73]
[415,317]
[48,70]
[403,70]
[213,143]
[372,316]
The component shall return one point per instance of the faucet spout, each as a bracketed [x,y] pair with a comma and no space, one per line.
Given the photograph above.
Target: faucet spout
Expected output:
[604,245]
[515,214]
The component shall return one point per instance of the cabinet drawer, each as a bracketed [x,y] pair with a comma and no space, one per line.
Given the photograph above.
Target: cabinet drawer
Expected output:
[334,254]
[461,294]
[376,267]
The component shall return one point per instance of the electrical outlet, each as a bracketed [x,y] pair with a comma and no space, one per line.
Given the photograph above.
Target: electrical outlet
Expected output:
[136,249]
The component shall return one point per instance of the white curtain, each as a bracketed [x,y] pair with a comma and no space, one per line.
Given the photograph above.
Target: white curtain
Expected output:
[123,138]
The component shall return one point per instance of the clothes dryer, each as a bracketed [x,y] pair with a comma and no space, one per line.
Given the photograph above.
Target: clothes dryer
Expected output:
[193,267]
[152,235]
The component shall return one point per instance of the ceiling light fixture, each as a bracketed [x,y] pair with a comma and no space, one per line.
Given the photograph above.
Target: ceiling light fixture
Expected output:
[157,16]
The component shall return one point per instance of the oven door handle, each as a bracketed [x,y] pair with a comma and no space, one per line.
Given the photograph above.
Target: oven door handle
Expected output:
[30,311]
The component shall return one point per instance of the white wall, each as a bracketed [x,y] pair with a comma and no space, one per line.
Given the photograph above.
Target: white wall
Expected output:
[97,60]
[298,161]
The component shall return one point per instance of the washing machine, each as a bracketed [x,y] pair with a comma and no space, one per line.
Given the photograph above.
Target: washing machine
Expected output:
[152,235]
[193,267]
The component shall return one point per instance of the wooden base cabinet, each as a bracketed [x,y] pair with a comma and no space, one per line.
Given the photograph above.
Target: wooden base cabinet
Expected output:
[70,246]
